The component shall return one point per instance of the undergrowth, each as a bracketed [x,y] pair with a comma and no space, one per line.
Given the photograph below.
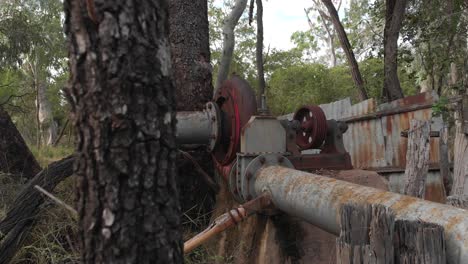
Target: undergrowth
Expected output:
[54,237]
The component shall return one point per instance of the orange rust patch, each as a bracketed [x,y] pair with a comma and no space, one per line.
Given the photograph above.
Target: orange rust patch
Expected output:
[403,202]
[453,221]
[379,197]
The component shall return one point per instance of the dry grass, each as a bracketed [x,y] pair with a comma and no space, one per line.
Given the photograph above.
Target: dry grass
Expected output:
[53,239]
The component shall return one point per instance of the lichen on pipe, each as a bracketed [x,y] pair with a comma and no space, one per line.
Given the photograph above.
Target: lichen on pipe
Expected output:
[318,200]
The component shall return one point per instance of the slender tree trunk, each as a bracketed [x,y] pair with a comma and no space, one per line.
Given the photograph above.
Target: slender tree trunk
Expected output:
[394,14]
[190,52]
[260,70]
[122,101]
[331,36]
[15,156]
[353,65]
[229,41]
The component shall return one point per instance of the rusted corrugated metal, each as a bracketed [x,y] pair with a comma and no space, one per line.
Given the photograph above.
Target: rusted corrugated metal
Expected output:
[373,138]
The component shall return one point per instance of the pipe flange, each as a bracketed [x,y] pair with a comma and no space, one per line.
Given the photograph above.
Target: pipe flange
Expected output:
[214,115]
[247,184]
[233,182]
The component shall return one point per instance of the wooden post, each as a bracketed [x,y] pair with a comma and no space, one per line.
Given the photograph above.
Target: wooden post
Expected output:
[458,201]
[371,235]
[419,243]
[366,235]
[417,158]
[444,162]
[460,168]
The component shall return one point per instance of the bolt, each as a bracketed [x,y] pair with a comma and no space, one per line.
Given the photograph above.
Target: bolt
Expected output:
[280,159]
[262,160]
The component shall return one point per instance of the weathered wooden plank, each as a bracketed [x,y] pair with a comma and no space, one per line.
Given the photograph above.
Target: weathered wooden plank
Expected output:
[418,242]
[458,201]
[417,158]
[366,235]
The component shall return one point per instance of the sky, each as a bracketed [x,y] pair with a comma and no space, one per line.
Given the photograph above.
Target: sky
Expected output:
[280,19]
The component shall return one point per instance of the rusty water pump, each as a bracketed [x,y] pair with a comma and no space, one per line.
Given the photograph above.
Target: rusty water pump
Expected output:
[262,157]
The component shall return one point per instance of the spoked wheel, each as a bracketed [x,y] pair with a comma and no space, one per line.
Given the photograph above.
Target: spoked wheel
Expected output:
[313,129]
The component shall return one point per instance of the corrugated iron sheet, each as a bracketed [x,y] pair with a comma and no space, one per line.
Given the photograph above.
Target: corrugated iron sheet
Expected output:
[373,138]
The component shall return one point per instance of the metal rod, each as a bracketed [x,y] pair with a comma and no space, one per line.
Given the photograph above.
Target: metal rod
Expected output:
[318,200]
[193,127]
[220,224]
[228,220]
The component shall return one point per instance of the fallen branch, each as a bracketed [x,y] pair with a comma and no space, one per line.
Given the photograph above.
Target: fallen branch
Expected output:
[58,201]
[24,210]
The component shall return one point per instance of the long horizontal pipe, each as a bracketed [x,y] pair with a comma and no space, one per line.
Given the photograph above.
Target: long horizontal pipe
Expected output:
[193,127]
[318,200]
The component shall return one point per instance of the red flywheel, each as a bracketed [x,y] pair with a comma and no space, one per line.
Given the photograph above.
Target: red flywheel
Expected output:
[313,127]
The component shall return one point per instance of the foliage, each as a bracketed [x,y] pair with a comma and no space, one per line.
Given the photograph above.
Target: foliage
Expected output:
[32,45]
[301,84]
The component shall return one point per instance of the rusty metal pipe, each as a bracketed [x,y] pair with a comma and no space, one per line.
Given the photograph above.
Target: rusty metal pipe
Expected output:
[318,200]
[193,128]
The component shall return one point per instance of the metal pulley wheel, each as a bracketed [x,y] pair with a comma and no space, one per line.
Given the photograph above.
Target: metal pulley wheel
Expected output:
[313,127]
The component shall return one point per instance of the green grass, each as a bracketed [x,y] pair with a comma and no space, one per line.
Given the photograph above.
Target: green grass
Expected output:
[47,154]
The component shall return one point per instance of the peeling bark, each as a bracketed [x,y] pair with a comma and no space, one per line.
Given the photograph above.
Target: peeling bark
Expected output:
[122,103]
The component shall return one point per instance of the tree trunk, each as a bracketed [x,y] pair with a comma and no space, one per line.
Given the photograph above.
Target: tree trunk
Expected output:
[394,14]
[47,125]
[15,156]
[331,36]
[260,70]
[353,65]
[190,51]
[122,102]
[229,41]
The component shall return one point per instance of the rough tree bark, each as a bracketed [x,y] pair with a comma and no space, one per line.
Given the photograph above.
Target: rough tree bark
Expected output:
[15,156]
[394,14]
[346,46]
[259,51]
[229,41]
[122,103]
[190,54]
